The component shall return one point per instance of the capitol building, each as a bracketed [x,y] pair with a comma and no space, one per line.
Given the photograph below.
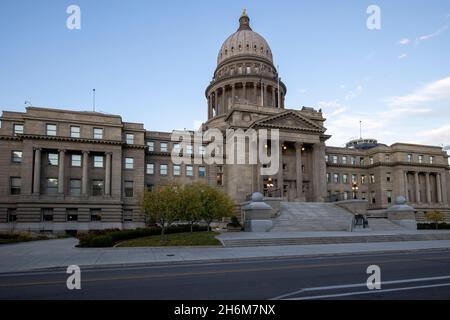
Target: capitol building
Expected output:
[68,170]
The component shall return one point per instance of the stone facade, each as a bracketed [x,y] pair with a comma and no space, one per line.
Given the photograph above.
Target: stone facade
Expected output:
[66,170]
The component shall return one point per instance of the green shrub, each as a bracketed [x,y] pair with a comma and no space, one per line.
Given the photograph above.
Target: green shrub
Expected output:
[429,226]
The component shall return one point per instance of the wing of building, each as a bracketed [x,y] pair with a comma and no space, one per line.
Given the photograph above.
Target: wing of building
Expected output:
[66,170]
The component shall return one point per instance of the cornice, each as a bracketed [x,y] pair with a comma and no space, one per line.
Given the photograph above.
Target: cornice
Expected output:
[388,164]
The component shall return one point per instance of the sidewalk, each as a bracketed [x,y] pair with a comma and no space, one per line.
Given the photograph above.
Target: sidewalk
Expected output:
[62,253]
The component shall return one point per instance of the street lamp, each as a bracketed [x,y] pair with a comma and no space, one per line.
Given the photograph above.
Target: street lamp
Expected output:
[354,189]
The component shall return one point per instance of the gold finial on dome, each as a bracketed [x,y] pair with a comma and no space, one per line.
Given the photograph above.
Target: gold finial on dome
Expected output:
[244,12]
[244,21]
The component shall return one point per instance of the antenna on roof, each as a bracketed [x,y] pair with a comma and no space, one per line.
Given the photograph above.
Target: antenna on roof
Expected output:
[93,100]
[360,129]
[28,103]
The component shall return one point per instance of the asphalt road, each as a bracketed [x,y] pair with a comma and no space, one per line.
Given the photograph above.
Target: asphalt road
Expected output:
[415,275]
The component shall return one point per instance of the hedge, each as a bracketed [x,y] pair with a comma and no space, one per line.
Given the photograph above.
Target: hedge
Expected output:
[432,226]
[108,238]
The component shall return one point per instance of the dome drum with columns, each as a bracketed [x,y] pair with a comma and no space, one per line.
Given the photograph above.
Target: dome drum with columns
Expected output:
[245,73]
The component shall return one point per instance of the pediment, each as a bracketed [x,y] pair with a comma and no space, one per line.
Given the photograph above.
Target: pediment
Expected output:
[289,120]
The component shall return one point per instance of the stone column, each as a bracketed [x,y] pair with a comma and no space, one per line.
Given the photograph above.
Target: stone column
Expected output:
[37,171]
[255,92]
[233,92]
[416,184]
[280,170]
[427,176]
[282,101]
[299,172]
[224,104]
[244,87]
[262,94]
[406,187]
[273,97]
[62,154]
[84,179]
[108,174]
[210,114]
[319,172]
[216,101]
[439,187]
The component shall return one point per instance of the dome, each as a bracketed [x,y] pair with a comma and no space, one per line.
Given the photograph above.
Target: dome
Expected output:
[244,42]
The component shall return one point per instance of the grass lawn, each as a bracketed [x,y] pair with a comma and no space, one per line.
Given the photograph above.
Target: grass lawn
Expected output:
[15,237]
[176,239]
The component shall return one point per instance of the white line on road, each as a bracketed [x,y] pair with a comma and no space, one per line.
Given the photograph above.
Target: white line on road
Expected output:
[356,285]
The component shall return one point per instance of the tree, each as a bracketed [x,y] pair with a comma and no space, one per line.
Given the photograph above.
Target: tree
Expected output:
[436,217]
[190,203]
[215,204]
[162,205]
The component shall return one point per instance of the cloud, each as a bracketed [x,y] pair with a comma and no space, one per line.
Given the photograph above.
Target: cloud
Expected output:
[436,136]
[431,35]
[402,56]
[404,42]
[352,94]
[436,91]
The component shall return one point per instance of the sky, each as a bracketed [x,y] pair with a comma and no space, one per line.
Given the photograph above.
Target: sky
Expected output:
[151,61]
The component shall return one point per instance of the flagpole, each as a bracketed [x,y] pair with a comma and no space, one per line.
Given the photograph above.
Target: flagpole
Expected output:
[278,76]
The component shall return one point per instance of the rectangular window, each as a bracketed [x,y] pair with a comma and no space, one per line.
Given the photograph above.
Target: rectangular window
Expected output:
[361,161]
[129,163]
[389,196]
[96,214]
[12,215]
[75,187]
[201,171]
[363,179]
[372,178]
[98,133]
[189,171]
[127,215]
[327,158]
[163,169]
[363,196]
[18,129]
[189,149]
[51,129]
[371,160]
[76,160]
[52,185]
[53,159]
[219,177]
[201,150]
[387,158]
[176,170]
[128,189]
[336,178]
[129,138]
[72,215]
[431,159]
[75,132]
[344,159]
[388,177]
[353,160]
[354,178]
[410,157]
[345,178]
[16,185]
[98,161]
[16,156]
[372,197]
[420,159]
[47,215]
[176,148]
[150,168]
[163,147]
[97,187]
[151,146]
[335,159]
[328,177]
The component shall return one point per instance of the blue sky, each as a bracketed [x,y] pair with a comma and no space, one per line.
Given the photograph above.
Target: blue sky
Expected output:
[150,61]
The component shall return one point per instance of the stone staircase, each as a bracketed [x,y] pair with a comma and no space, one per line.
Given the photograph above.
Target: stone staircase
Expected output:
[382,224]
[308,216]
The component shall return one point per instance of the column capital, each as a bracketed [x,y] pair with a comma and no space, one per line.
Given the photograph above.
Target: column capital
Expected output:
[62,150]
[298,144]
[109,153]
[37,149]
[85,152]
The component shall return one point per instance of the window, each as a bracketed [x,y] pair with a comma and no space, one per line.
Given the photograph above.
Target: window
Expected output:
[201,150]
[12,215]
[127,215]
[98,133]
[176,170]
[389,196]
[344,159]
[129,138]
[52,185]
[388,177]
[219,177]
[354,178]
[97,187]
[75,132]
[409,157]
[129,163]
[76,160]
[128,189]
[363,179]
[345,178]
[96,214]
[98,161]
[176,148]
[75,187]
[53,159]
[363,196]
[336,178]
[328,177]
[189,171]
[372,178]
[387,158]
[201,171]
[163,147]
[163,169]
[18,129]
[431,159]
[361,161]
[51,129]
[16,156]
[189,149]
[371,160]
[420,159]
[353,160]
[150,168]
[47,215]
[151,146]
[372,197]
[72,214]
[335,159]
[16,185]
[327,158]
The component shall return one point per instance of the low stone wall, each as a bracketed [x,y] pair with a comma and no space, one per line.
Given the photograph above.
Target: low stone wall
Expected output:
[354,206]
